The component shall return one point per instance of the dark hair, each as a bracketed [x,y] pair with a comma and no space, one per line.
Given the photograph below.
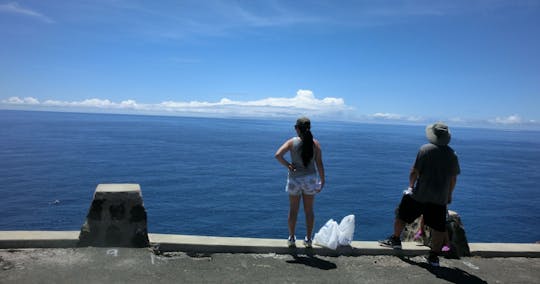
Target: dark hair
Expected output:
[304,125]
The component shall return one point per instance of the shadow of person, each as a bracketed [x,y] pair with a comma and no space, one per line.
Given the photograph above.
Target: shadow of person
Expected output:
[453,275]
[313,261]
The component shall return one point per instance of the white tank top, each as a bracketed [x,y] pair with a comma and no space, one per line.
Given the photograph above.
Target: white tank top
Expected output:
[296,157]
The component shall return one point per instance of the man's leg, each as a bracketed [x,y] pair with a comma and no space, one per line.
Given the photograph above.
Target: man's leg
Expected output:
[435,218]
[437,241]
[407,211]
[399,225]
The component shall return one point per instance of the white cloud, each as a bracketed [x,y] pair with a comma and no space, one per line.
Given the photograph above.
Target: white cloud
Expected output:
[395,117]
[304,99]
[456,120]
[15,8]
[512,119]
[303,103]
[129,104]
[381,115]
[85,103]
[19,101]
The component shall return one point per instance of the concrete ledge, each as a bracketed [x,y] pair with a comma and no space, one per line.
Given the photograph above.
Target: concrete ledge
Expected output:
[504,250]
[119,187]
[208,244]
[38,239]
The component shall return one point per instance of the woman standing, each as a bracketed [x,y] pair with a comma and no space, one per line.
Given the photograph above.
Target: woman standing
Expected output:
[302,182]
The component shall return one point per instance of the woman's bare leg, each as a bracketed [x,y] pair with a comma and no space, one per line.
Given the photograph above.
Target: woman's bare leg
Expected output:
[310,215]
[294,204]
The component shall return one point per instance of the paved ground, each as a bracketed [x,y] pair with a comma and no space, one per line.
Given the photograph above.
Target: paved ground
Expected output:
[124,265]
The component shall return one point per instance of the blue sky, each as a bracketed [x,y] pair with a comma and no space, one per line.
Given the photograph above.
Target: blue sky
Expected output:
[464,62]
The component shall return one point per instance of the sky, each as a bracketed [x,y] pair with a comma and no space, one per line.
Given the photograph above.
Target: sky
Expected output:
[470,62]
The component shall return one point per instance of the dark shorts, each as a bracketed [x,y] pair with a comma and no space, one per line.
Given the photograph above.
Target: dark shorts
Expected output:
[434,214]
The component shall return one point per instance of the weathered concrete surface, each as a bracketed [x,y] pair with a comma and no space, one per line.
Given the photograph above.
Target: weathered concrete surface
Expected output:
[132,265]
[116,218]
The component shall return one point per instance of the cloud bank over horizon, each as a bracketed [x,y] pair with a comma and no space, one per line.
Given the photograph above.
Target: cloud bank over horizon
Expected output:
[303,103]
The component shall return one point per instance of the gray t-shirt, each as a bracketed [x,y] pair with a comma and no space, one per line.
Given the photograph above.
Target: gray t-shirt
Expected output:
[436,166]
[296,158]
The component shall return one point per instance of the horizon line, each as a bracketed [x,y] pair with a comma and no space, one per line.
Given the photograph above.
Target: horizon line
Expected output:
[478,124]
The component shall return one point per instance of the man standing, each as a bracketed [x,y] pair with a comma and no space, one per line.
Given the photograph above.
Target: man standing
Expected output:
[431,184]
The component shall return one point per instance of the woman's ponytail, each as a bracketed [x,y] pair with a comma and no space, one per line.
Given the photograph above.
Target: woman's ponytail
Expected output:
[307,147]
[304,131]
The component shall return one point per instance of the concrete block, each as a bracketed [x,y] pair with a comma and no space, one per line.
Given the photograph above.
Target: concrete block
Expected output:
[116,218]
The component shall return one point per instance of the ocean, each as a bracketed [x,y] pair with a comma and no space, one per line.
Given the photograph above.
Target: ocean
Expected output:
[211,176]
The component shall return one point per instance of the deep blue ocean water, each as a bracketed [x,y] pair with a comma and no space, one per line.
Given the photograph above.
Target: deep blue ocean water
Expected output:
[208,176]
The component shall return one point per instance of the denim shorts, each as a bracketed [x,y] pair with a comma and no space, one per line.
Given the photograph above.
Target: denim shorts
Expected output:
[303,185]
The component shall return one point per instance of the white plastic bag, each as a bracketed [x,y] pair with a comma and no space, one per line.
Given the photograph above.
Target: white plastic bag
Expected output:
[328,235]
[346,230]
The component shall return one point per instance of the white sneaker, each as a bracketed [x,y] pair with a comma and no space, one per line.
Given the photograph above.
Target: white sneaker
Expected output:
[308,243]
[291,241]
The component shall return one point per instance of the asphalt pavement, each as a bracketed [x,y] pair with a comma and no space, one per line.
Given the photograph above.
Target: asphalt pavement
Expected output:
[143,265]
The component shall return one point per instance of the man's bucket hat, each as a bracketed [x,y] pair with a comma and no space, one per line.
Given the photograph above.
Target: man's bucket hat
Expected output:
[438,134]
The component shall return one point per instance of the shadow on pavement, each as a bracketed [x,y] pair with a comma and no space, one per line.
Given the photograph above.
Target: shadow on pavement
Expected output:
[313,261]
[453,275]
